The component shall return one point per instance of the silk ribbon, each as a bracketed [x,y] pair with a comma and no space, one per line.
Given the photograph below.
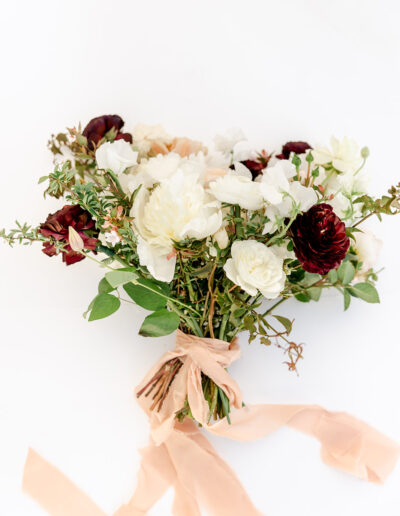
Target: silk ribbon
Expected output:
[180,456]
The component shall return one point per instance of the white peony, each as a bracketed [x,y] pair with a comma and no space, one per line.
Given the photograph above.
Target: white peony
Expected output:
[116,156]
[254,266]
[280,193]
[234,188]
[368,248]
[344,155]
[176,209]
[158,168]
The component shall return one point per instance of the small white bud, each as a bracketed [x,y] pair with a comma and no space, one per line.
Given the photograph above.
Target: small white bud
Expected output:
[75,240]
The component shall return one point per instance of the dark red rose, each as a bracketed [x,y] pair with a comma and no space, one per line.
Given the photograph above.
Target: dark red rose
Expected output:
[56,226]
[99,126]
[297,147]
[319,239]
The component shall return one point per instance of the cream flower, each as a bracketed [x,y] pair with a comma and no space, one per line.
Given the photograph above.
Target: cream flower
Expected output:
[176,209]
[237,189]
[344,155]
[368,248]
[116,156]
[151,139]
[281,193]
[227,141]
[255,267]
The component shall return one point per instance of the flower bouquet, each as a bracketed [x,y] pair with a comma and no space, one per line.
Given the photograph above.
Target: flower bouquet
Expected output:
[200,237]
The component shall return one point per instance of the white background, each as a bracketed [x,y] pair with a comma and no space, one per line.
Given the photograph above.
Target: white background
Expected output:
[279,69]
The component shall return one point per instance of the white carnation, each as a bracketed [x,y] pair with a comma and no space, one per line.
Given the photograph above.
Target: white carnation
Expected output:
[255,267]
[116,156]
[176,209]
[237,189]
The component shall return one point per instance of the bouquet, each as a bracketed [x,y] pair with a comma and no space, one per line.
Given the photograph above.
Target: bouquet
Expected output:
[200,237]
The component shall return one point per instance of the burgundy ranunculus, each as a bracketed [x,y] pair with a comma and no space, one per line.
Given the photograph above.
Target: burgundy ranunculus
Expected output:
[99,126]
[319,239]
[255,167]
[56,226]
[297,147]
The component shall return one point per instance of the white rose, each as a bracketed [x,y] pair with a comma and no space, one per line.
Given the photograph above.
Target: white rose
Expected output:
[368,248]
[254,266]
[116,156]
[344,155]
[176,209]
[237,189]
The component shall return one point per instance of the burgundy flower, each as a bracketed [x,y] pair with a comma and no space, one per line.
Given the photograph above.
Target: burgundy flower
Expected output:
[56,226]
[255,167]
[99,126]
[297,147]
[319,239]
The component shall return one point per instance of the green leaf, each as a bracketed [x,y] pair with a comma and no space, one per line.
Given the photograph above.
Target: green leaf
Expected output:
[365,291]
[104,287]
[333,276]
[88,308]
[103,306]
[148,299]
[120,277]
[303,297]
[157,324]
[314,293]
[347,299]
[225,403]
[286,323]
[42,179]
[310,279]
[346,272]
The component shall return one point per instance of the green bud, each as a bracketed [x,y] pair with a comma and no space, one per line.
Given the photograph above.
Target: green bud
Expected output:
[365,152]
[309,157]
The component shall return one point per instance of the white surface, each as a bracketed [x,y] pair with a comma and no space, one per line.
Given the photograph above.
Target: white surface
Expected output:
[280,70]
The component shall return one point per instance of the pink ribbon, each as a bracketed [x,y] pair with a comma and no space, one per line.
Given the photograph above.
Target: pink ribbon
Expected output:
[180,456]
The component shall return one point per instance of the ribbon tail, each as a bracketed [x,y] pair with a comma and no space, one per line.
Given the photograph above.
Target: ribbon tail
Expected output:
[346,442]
[53,491]
[202,473]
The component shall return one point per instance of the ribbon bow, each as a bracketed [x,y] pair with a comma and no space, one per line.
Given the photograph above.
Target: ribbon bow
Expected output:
[180,456]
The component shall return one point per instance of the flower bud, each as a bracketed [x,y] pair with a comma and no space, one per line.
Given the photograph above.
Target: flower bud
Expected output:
[75,240]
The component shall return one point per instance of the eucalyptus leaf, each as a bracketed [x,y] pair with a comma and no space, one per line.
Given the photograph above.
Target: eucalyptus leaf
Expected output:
[365,291]
[103,306]
[346,298]
[314,293]
[157,324]
[346,272]
[333,276]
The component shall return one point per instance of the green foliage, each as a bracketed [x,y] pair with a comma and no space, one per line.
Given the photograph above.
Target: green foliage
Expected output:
[364,291]
[159,323]
[149,294]
[121,276]
[102,306]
